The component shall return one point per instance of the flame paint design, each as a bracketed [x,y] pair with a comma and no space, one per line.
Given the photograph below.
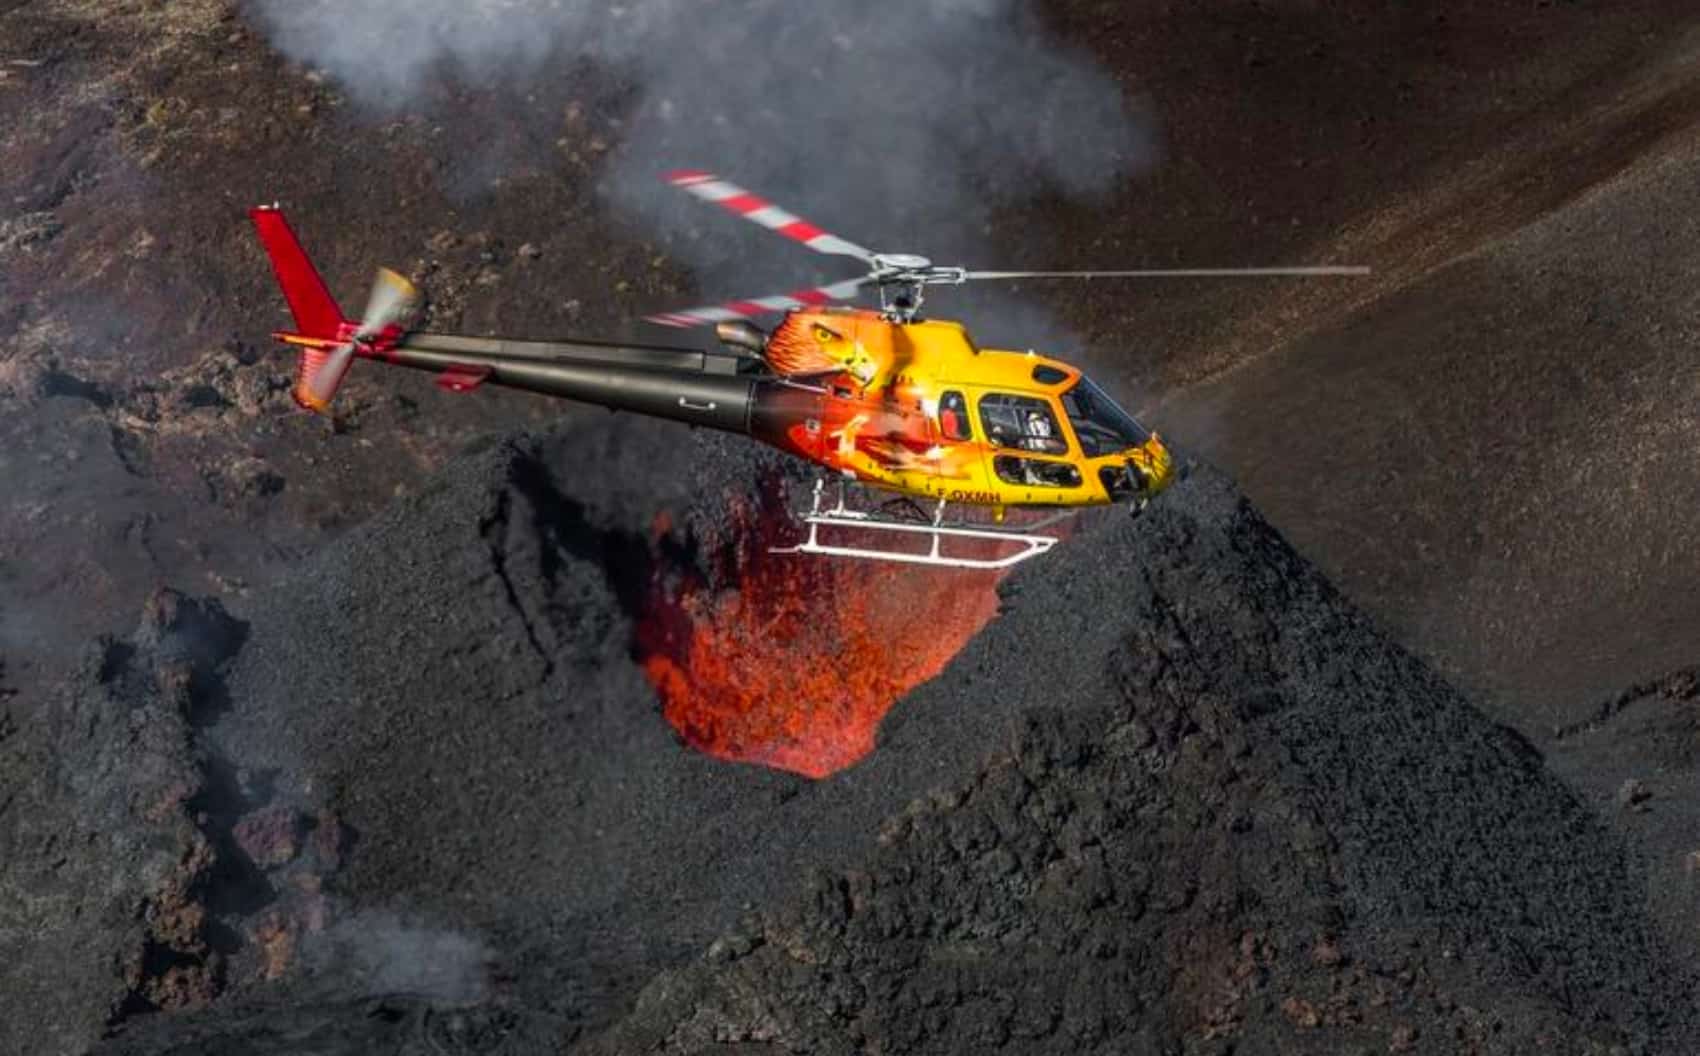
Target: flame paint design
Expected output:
[887,437]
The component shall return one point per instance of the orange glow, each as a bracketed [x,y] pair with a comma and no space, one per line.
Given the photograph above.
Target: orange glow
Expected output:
[796,662]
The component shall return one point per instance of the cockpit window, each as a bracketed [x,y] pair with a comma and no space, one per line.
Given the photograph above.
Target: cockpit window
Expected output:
[953,417]
[1021,421]
[1102,427]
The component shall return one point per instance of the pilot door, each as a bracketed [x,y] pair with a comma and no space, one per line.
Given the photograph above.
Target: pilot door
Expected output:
[1026,448]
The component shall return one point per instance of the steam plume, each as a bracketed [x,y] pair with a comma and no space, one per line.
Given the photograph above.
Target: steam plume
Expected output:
[899,124]
[379,952]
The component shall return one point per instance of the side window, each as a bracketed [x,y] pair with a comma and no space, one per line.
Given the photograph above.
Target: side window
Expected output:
[1021,422]
[1013,469]
[953,417]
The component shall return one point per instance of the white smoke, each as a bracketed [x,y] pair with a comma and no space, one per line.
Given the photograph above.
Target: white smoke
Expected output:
[379,952]
[901,125]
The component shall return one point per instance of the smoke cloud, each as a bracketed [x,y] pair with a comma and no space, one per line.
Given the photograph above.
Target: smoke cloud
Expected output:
[900,125]
[378,952]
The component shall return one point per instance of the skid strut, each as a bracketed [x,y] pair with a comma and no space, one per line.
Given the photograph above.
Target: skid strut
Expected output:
[842,517]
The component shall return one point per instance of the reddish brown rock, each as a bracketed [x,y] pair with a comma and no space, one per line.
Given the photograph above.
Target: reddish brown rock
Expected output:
[183,987]
[328,838]
[175,915]
[275,938]
[170,801]
[175,678]
[177,924]
[1327,953]
[1301,1013]
[270,837]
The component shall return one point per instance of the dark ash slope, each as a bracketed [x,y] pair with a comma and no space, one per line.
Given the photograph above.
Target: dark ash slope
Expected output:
[1179,793]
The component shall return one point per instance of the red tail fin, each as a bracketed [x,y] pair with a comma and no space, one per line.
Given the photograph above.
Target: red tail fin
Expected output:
[316,312]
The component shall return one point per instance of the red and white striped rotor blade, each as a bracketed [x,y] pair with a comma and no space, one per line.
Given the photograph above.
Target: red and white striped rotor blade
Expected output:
[731,197]
[810,298]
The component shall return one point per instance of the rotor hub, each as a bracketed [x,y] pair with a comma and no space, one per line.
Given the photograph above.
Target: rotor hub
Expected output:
[901,261]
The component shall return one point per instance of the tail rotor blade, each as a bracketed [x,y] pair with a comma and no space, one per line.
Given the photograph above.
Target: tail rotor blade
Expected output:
[393,299]
[322,383]
[1170,273]
[813,297]
[734,199]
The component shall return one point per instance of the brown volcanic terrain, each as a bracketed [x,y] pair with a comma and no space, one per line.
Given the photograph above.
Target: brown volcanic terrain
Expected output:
[1487,445]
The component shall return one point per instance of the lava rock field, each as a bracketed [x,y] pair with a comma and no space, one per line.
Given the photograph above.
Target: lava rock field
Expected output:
[1178,795]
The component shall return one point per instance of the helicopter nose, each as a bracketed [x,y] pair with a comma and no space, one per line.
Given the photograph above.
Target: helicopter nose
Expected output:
[1137,482]
[1147,471]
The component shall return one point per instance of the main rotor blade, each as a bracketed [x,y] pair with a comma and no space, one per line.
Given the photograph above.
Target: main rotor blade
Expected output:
[731,197]
[1168,273]
[393,299]
[323,382]
[812,297]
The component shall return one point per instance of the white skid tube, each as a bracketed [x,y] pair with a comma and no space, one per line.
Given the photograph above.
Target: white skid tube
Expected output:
[1032,545]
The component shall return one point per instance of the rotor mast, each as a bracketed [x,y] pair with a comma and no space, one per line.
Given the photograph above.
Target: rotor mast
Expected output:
[902,280]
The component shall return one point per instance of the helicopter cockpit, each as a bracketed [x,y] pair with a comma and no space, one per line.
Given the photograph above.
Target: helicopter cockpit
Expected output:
[1101,426]
[1031,449]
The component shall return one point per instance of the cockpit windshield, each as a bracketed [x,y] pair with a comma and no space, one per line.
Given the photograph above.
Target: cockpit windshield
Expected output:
[1102,427]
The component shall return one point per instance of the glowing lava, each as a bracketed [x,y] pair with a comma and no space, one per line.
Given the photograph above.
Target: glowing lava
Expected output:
[795,665]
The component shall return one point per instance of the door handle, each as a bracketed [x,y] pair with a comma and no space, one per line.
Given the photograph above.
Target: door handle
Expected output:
[688,405]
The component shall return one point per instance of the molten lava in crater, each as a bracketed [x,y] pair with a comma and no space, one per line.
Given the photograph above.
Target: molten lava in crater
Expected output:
[795,662]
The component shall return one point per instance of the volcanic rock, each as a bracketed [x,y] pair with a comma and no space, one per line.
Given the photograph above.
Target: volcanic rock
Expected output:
[1126,817]
[269,836]
[1638,748]
[1307,778]
[29,231]
[103,870]
[1633,794]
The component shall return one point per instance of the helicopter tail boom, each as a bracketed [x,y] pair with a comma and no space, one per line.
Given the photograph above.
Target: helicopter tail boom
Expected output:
[711,389]
[679,385]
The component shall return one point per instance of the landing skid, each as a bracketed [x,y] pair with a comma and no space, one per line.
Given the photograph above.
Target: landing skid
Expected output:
[933,527]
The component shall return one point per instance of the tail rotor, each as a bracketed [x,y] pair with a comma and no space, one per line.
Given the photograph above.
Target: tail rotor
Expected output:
[392,301]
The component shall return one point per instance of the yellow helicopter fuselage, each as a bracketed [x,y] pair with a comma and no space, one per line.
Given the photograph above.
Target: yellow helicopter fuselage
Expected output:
[917,408]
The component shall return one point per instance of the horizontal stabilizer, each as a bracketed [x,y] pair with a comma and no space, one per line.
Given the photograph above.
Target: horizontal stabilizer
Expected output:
[462,378]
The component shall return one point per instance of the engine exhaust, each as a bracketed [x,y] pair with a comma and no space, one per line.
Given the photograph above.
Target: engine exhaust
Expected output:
[742,334]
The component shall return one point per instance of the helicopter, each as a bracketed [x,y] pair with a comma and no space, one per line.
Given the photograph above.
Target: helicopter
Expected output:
[883,400]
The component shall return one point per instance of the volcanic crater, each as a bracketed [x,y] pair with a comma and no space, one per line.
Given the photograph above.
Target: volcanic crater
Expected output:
[1175,794]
